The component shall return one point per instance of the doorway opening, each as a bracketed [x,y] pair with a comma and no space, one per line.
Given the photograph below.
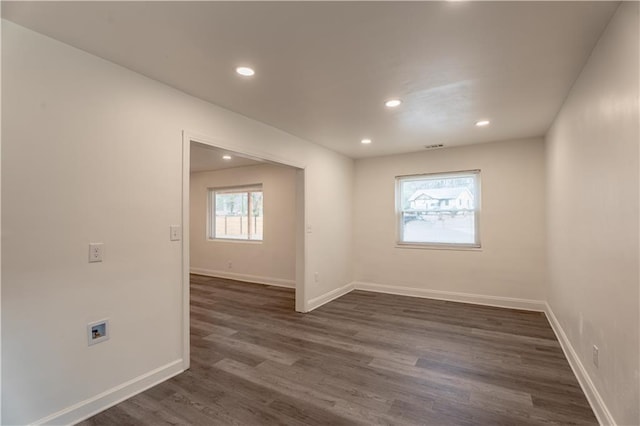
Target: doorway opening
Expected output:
[243,220]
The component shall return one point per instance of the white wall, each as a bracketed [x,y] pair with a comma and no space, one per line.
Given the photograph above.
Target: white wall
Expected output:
[271,261]
[511,262]
[0,223]
[92,153]
[593,215]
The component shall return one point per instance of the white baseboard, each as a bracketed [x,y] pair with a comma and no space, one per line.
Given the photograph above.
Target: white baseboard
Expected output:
[593,396]
[476,299]
[89,407]
[278,282]
[316,302]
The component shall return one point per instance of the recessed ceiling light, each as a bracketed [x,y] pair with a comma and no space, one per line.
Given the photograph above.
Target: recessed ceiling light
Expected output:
[392,103]
[245,71]
[482,123]
[366,141]
[226,157]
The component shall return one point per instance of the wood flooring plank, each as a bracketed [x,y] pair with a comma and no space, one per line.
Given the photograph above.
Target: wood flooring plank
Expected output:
[477,390]
[257,350]
[110,417]
[342,394]
[212,329]
[283,385]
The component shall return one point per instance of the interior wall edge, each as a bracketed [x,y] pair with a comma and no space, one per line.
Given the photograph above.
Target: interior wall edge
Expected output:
[0,221]
[599,407]
[327,297]
[254,279]
[475,299]
[217,142]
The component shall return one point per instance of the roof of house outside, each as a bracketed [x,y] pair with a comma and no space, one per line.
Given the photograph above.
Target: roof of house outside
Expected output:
[439,193]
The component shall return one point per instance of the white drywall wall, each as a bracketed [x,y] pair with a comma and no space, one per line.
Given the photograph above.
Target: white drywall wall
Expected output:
[0,222]
[272,260]
[511,262]
[92,152]
[592,162]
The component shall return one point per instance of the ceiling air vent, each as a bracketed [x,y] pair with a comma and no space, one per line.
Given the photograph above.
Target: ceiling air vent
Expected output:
[434,146]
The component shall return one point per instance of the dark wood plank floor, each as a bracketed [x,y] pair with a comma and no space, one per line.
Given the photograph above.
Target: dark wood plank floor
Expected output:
[365,358]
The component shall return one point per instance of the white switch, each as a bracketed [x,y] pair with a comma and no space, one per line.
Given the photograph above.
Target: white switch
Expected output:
[175,233]
[95,252]
[309,229]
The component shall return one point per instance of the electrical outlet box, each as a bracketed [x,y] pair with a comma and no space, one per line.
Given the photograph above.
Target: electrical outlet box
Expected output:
[98,331]
[96,251]
[596,355]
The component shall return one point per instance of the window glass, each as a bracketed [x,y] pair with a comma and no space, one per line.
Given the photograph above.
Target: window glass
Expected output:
[439,209]
[236,213]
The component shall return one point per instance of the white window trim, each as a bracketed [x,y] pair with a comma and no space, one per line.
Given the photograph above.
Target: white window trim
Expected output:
[211,211]
[476,246]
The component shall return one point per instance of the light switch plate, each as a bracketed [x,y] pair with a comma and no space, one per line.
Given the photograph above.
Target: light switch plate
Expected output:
[175,233]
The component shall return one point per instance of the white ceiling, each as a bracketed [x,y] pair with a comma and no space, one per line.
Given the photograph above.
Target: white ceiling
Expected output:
[324,69]
[207,158]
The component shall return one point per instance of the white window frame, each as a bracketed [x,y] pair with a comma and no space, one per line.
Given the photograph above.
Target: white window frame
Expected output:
[433,245]
[211,211]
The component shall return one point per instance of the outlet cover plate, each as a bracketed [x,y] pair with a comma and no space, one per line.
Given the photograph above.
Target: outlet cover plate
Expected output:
[96,251]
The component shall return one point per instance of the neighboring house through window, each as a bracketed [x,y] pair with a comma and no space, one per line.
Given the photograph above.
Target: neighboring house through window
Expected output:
[439,210]
[236,213]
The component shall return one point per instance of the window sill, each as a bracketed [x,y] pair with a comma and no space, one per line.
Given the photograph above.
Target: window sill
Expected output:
[234,241]
[438,247]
